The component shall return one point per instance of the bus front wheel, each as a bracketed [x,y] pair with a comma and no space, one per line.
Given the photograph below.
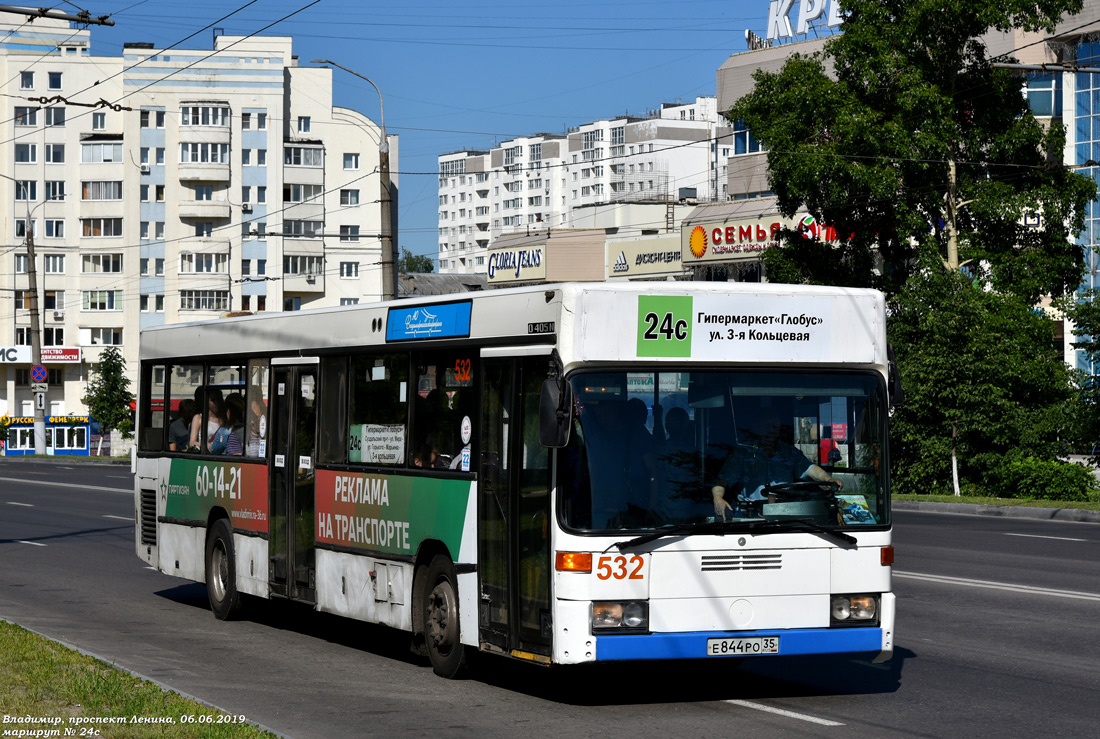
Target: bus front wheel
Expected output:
[440,613]
[221,571]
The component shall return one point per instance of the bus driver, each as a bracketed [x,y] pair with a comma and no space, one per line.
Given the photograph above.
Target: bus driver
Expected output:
[766,459]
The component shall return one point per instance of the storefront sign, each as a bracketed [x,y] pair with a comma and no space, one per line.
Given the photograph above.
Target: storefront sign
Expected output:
[517,265]
[61,354]
[629,258]
[779,22]
[15,355]
[723,241]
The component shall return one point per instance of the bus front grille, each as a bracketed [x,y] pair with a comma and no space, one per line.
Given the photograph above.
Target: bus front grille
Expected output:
[720,562]
[149,517]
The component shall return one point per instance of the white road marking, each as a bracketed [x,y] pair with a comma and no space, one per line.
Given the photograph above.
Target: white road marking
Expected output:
[32,543]
[944,579]
[782,712]
[66,485]
[24,505]
[1037,536]
[120,518]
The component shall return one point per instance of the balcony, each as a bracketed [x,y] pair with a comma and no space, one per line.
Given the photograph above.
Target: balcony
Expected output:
[298,283]
[210,210]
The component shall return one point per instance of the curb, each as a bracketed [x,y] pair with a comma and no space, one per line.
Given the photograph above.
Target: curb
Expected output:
[1005,511]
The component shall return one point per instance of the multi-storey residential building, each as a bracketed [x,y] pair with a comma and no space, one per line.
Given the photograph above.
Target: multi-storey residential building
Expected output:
[540,181]
[171,185]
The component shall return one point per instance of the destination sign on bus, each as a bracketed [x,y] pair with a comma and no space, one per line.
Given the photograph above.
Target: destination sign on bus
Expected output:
[440,321]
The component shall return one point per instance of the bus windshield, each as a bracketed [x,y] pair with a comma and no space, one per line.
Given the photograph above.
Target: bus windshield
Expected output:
[674,448]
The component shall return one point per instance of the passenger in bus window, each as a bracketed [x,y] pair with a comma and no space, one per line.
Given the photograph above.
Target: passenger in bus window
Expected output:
[762,458]
[257,426]
[234,410]
[179,431]
[210,399]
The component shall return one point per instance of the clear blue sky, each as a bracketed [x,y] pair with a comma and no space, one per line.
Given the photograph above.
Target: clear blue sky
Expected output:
[463,74]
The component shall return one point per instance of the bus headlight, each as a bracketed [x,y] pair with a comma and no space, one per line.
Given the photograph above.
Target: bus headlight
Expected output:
[848,609]
[631,615]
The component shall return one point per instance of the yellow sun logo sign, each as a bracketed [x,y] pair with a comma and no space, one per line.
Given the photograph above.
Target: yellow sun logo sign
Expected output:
[698,241]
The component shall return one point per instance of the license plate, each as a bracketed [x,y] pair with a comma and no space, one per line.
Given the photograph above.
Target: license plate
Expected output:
[743,647]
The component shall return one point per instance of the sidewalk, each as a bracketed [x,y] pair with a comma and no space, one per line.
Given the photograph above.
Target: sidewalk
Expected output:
[1007,511]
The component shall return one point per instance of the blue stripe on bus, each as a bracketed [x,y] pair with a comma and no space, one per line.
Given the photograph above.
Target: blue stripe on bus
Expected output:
[693,645]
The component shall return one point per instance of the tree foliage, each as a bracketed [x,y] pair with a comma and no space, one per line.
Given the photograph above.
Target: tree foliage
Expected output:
[915,144]
[926,160]
[414,263]
[108,396]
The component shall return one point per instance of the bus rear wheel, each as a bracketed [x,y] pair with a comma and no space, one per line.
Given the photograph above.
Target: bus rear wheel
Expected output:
[440,614]
[221,571]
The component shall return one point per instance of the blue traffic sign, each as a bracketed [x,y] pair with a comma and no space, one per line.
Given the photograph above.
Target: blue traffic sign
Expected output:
[39,373]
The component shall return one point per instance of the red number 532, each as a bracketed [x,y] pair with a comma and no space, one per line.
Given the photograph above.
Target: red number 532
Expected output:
[620,568]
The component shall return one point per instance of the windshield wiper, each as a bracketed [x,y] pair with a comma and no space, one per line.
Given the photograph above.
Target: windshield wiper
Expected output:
[725,527]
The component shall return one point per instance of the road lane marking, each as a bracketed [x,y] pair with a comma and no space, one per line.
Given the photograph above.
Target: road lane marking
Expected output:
[944,579]
[120,518]
[24,505]
[782,712]
[1037,536]
[66,485]
[32,543]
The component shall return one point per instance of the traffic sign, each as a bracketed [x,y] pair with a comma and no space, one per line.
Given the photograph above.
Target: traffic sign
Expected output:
[39,387]
[39,373]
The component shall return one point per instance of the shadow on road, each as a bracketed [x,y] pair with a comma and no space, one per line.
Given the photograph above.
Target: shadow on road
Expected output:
[685,681]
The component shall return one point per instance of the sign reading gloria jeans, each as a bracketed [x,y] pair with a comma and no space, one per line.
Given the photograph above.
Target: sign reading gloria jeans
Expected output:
[389,513]
[517,265]
[194,487]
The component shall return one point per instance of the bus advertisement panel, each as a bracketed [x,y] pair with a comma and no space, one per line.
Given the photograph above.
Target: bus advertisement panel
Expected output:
[195,487]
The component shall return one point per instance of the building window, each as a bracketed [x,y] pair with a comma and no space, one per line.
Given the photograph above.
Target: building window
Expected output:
[306,229]
[26,80]
[246,121]
[349,270]
[26,190]
[294,264]
[143,155]
[55,117]
[99,121]
[1044,94]
[160,155]
[302,193]
[99,153]
[55,153]
[106,336]
[204,115]
[21,228]
[304,156]
[261,266]
[261,121]
[261,157]
[204,229]
[26,153]
[101,227]
[53,336]
[55,229]
[101,190]
[91,263]
[351,161]
[292,304]
[349,233]
[55,263]
[144,193]
[101,300]
[152,303]
[197,153]
[261,194]
[25,116]
[21,264]
[349,301]
[204,192]
[210,300]
[349,197]
[203,263]
[159,190]
[246,194]
[303,124]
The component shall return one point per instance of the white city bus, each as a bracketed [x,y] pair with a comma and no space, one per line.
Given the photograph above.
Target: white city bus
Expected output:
[562,474]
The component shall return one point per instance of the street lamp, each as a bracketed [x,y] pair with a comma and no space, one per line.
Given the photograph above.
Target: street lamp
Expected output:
[36,325]
[389,257]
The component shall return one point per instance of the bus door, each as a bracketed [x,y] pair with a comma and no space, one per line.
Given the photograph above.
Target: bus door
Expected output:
[514,510]
[293,441]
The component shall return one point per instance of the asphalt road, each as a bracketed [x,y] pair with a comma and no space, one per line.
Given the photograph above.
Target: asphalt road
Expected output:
[996,637]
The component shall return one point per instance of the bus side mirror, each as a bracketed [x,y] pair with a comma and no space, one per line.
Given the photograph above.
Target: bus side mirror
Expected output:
[554,418]
[897,395]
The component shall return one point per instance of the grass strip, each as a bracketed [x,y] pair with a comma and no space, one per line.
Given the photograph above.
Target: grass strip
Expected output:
[47,689]
[1091,505]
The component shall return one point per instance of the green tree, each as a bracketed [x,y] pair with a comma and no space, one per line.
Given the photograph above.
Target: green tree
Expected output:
[927,161]
[108,396]
[410,263]
[920,150]
[985,384]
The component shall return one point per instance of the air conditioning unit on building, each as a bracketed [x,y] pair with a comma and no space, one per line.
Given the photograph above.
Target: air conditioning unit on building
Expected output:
[144,169]
[311,279]
[246,207]
[59,315]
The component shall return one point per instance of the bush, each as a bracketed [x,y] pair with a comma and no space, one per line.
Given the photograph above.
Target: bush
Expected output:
[1042,479]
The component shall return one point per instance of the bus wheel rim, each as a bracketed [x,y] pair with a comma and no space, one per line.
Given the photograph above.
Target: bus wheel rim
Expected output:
[442,623]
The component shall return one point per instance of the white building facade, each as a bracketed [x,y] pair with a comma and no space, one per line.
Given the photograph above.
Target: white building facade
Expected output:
[545,180]
[171,185]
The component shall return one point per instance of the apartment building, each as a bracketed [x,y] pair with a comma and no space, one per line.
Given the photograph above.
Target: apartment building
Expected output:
[166,186]
[549,181]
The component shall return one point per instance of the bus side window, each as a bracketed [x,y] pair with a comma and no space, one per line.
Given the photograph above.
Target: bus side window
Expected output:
[379,391]
[332,446]
[442,423]
[152,411]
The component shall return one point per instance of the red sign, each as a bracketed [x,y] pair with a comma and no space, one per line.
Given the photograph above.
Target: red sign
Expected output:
[60,354]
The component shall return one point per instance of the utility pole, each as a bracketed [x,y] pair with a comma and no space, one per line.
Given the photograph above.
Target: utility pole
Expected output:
[36,342]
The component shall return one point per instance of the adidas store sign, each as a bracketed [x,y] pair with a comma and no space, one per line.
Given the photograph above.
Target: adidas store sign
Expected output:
[621,265]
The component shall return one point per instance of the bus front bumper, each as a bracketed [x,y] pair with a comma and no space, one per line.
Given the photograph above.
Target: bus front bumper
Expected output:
[693,645]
